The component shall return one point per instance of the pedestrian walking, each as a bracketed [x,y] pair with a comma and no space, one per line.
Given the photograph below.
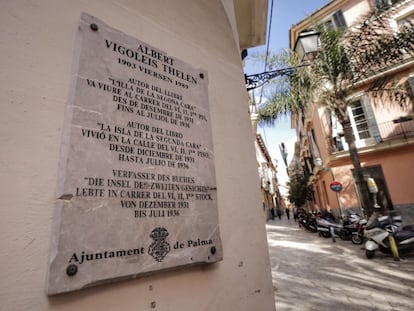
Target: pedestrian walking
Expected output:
[279,213]
[295,214]
[287,213]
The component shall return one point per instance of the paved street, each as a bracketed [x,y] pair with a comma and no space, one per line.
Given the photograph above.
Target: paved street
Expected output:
[313,273]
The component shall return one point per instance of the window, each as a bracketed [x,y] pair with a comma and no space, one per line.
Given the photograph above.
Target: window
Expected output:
[361,128]
[384,4]
[339,19]
[328,24]
[363,123]
[381,4]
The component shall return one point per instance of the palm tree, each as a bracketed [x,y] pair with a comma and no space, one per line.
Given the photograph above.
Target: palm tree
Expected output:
[344,59]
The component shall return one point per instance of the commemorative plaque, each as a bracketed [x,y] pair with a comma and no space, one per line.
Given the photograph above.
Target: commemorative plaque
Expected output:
[136,186]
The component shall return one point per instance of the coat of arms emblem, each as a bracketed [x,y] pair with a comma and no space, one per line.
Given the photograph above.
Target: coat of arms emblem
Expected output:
[159,248]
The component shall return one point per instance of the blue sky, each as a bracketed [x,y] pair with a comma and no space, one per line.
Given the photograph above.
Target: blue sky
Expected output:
[285,14]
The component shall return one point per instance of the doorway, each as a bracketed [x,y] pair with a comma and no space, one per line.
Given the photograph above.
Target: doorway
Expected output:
[383,195]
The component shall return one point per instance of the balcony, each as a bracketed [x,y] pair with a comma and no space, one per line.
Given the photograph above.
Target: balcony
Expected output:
[401,128]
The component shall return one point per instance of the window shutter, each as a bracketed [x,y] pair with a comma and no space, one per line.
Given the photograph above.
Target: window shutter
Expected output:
[339,19]
[379,4]
[372,122]
[410,89]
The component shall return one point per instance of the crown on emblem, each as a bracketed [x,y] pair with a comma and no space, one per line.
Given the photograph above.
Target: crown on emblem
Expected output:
[159,233]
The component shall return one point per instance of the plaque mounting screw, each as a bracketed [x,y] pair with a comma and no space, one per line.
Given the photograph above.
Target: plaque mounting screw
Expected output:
[202,75]
[71,270]
[94,27]
[213,250]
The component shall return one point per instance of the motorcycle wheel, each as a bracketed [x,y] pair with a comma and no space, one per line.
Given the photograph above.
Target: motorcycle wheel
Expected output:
[357,239]
[343,236]
[325,234]
[369,254]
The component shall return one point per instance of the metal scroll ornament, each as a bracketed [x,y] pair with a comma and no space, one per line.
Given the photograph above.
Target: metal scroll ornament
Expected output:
[159,248]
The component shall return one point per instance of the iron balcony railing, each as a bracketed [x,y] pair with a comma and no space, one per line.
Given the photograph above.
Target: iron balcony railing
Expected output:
[400,128]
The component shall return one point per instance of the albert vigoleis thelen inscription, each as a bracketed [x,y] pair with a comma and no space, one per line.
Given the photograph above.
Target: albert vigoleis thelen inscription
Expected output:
[136,186]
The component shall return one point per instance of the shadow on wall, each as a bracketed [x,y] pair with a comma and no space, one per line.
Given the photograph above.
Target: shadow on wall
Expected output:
[347,196]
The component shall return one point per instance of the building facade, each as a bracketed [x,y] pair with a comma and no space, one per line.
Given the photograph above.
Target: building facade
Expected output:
[384,132]
[272,200]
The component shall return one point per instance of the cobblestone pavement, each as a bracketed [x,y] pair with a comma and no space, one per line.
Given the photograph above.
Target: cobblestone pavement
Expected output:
[313,273]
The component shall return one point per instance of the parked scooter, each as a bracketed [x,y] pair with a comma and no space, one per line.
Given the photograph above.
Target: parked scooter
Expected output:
[308,220]
[302,219]
[327,227]
[378,233]
[358,234]
[311,223]
[349,226]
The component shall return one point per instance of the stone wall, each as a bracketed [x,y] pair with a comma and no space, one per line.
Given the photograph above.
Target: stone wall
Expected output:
[36,47]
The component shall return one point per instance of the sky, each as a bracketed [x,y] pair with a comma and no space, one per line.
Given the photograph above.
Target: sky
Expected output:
[285,14]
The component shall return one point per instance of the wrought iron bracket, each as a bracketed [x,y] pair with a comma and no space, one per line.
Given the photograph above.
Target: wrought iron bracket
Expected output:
[259,79]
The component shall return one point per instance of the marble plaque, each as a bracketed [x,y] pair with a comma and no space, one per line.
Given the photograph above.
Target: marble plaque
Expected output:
[136,187]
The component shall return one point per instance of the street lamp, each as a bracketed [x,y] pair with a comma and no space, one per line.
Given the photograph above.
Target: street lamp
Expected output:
[306,47]
[318,162]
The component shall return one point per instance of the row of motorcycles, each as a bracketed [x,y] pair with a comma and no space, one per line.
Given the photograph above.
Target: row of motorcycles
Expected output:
[381,232]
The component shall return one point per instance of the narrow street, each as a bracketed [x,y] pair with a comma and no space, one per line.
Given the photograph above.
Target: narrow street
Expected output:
[313,273]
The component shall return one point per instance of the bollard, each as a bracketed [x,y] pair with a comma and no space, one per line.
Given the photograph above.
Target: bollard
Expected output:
[332,231]
[394,248]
